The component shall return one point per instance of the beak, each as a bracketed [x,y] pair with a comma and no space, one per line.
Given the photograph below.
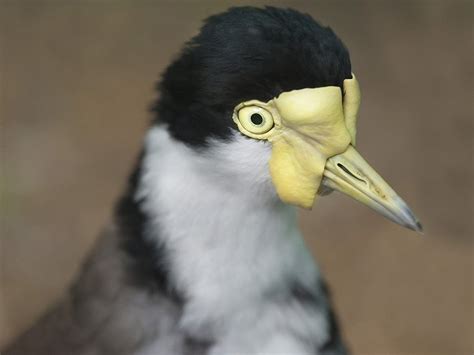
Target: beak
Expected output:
[349,173]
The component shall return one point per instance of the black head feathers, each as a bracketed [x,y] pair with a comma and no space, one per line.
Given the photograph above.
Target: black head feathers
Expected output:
[242,54]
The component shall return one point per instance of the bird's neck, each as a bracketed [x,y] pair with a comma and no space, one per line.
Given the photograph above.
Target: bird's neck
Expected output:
[226,246]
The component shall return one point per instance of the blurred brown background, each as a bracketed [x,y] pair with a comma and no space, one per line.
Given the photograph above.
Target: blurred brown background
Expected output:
[76,79]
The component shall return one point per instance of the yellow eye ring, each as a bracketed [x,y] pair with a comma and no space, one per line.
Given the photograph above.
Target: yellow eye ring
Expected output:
[255,119]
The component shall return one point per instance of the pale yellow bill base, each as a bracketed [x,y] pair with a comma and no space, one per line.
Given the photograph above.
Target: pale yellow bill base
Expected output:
[349,173]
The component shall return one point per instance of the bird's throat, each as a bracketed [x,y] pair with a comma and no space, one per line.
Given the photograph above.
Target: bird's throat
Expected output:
[225,248]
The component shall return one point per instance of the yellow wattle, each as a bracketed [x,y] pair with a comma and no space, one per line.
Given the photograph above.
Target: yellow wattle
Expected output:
[309,126]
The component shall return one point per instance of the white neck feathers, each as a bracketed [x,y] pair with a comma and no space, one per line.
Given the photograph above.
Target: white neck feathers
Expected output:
[230,242]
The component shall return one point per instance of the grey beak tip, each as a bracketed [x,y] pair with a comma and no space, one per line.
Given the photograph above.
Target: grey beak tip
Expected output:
[417,227]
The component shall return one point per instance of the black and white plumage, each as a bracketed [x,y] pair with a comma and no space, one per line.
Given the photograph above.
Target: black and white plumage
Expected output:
[202,256]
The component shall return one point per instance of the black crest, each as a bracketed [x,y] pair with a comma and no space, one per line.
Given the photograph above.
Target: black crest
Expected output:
[242,54]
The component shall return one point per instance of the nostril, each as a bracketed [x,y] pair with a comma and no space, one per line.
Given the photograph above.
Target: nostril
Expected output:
[348,172]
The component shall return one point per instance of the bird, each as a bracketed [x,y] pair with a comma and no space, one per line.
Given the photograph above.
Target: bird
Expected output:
[254,119]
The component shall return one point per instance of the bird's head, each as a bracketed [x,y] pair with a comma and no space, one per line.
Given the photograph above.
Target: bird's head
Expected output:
[280,83]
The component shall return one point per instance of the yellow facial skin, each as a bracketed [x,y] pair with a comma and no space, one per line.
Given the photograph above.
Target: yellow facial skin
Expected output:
[313,134]
[351,105]
[305,127]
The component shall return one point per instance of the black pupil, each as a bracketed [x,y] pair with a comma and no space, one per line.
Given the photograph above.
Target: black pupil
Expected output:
[256,119]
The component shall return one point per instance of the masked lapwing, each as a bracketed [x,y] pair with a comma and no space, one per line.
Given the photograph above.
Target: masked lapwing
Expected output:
[255,118]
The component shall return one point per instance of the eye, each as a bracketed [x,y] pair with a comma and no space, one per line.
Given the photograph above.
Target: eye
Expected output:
[255,119]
